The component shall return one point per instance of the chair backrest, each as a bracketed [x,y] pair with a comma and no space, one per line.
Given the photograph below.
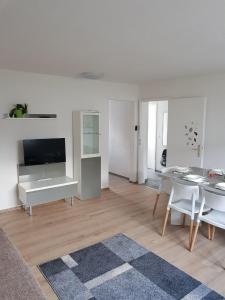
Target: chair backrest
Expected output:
[165,184]
[182,189]
[214,200]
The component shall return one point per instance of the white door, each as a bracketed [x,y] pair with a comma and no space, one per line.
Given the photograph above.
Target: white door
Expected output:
[123,118]
[186,126]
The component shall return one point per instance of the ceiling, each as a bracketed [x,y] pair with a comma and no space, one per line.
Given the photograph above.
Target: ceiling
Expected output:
[127,40]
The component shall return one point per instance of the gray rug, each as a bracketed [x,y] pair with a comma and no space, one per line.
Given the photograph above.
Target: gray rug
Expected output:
[120,269]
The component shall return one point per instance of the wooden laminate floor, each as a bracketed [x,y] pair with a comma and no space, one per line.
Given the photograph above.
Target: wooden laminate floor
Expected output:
[57,229]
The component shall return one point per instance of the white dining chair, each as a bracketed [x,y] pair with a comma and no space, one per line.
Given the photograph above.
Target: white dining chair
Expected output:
[164,187]
[215,217]
[184,198]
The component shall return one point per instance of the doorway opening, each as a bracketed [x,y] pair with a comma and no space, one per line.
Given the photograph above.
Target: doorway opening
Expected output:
[157,140]
[184,143]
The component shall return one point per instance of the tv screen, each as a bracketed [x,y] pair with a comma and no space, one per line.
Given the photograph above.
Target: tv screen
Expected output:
[44,151]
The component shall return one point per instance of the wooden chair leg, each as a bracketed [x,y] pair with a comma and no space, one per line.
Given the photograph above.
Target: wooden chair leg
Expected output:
[165,221]
[156,203]
[183,220]
[191,233]
[194,237]
[209,231]
[213,229]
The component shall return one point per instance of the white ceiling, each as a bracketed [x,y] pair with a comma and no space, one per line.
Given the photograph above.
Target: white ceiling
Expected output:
[128,40]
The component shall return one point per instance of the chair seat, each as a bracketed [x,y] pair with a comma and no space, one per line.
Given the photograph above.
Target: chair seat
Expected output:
[215,217]
[185,206]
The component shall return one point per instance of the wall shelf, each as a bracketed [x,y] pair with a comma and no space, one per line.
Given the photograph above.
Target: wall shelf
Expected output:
[30,117]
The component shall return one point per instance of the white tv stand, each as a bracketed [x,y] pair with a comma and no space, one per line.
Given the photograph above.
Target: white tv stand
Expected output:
[44,183]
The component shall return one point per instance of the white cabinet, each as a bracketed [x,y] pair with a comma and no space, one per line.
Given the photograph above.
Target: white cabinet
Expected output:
[87,157]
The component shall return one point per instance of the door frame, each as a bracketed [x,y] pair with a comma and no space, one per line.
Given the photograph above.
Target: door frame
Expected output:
[152,104]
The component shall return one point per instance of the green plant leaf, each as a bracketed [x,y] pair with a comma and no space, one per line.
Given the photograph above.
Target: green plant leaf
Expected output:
[12,112]
[18,106]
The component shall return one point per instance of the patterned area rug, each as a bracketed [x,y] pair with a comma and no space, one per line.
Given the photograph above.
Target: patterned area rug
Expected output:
[120,269]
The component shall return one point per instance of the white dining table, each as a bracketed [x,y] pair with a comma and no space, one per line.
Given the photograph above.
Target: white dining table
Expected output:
[208,181]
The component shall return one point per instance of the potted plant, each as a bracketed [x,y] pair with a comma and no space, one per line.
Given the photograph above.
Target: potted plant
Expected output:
[18,111]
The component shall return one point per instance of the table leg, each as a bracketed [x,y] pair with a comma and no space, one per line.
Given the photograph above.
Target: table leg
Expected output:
[30,210]
[213,232]
[183,220]
[209,231]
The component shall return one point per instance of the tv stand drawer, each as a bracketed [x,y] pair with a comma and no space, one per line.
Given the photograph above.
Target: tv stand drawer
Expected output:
[51,194]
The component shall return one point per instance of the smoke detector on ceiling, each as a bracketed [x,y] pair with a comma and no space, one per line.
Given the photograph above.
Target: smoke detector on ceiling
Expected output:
[91,75]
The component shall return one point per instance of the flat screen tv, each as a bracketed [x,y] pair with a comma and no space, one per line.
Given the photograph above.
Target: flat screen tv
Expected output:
[44,151]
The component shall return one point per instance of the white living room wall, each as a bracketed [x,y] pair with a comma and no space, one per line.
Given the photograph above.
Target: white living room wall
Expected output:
[50,94]
[121,130]
[213,88]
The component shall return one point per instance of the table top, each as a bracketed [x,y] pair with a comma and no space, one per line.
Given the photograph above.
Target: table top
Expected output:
[46,183]
[209,181]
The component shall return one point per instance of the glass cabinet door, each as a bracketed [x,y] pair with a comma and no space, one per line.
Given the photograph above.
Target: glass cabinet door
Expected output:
[90,134]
